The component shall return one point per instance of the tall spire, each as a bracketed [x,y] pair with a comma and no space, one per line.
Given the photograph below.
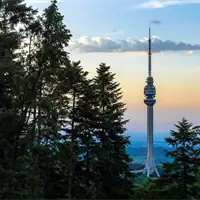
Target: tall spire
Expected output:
[150,93]
[149,52]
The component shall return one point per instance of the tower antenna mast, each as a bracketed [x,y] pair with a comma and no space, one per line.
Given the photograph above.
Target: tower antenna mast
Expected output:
[149,52]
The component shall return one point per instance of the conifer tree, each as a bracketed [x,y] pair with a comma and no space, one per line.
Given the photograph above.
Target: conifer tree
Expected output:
[196,186]
[181,172]
[53,69]
[54,77]
[41,93]
[14,104]
[33,101]
[84,135]
[78,81]
[115,179]
[147,190]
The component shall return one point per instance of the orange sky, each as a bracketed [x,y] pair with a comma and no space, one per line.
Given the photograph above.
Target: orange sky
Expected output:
[177,81]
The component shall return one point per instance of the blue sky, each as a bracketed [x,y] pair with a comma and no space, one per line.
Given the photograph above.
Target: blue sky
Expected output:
[179,22]
[97,18]
[114,31]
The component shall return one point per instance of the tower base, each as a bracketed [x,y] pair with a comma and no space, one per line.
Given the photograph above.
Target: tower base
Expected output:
[149,170]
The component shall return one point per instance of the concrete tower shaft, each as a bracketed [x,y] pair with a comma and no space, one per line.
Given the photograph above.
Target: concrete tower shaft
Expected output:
[150,93]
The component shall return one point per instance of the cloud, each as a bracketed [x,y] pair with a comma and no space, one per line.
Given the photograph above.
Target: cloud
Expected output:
[41,1]
[155,22]
[155,37]
[190,52]
[107,44]
[37,1]
[164,3]
[114,32]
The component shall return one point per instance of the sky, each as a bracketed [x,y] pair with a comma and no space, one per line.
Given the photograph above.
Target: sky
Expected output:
[116,31]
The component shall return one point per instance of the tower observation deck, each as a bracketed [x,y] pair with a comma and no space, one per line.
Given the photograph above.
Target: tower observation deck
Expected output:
[150,93]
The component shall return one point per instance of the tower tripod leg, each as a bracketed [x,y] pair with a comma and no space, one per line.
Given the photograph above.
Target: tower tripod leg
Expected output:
[157,173]
[148,172]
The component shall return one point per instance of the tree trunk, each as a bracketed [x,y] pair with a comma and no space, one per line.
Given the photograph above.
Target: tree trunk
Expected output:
[71,164]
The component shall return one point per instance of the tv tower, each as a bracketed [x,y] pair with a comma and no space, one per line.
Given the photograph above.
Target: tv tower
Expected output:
[149,93]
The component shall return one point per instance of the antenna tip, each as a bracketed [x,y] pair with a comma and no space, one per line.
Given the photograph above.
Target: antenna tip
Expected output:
[149,33]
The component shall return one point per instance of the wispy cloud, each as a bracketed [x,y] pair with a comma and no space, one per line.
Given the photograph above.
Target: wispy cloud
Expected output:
[114,32]
[155,22]
[107,44]
[164,3]
[41,1]
[37,1]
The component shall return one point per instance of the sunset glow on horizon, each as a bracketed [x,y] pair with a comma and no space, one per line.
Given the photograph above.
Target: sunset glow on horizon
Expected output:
[176,81]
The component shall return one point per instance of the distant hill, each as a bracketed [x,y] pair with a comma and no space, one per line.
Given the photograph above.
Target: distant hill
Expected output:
[138,152]
[142,136]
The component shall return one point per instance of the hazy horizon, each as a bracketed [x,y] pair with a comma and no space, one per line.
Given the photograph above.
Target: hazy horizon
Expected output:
[142,136]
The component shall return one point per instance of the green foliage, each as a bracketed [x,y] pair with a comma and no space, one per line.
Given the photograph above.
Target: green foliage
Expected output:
[147,190]
[179,179]
[115,179]
[13,103]
[43,93]
[61,133]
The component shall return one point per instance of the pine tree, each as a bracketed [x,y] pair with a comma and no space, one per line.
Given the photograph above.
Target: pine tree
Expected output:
[115,179]
[148,190]
[78,78]
[55,90]
[84,136]
[53,68]
[41,93]
[196,186]
[14,103]
[181,172]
